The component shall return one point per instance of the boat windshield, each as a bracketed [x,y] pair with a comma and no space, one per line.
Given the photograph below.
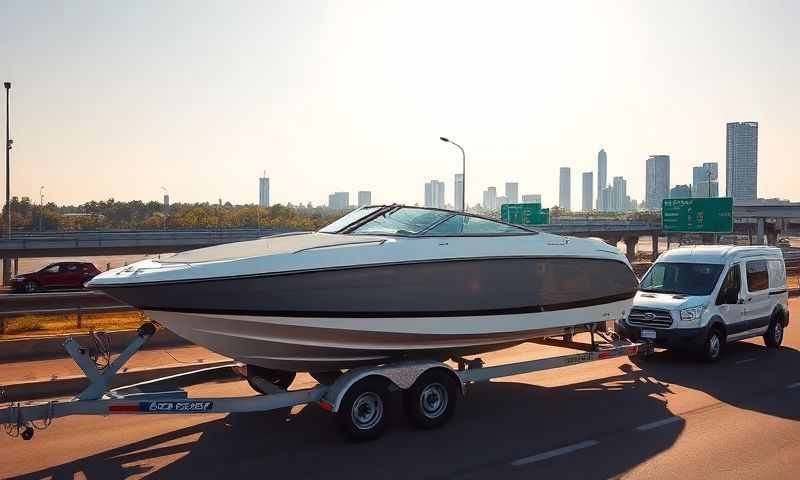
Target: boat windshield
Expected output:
[681,278]
[402,221]
[348,219]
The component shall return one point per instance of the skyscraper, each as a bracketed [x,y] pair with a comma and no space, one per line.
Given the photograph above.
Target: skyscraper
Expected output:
[434,194]
[490,198]
[656,181]
[564,193]
[364,198]
[602,172]
[619,195]
[532,198]
[741,161]
[680,191]
[339,201]
[704,180]
[459,191]
[588,191]
[512,192]
[263,191]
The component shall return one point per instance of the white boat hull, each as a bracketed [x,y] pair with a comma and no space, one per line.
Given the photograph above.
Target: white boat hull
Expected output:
[325,344]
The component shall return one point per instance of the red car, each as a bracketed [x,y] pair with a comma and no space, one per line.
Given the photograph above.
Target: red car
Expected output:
[55,275]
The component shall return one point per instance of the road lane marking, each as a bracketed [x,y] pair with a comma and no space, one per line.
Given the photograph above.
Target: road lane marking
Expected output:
[745,360]
[554,453]
[793,385]
[657,423]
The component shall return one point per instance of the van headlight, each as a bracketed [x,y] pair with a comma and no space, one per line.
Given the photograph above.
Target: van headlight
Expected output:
[692,314]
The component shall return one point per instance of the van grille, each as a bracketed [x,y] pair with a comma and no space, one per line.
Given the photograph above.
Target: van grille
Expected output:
[650,318]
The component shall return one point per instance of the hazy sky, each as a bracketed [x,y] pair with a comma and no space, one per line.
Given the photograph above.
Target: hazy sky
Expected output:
[116,99]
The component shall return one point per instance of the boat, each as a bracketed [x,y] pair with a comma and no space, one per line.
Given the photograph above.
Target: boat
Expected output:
[382,283]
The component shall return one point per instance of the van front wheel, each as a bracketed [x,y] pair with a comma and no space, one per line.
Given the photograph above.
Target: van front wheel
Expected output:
[712,348]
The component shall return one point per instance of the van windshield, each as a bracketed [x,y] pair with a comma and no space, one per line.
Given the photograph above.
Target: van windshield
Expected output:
[681,278]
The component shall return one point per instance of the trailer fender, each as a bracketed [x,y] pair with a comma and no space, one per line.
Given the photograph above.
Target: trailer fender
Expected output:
[401,375]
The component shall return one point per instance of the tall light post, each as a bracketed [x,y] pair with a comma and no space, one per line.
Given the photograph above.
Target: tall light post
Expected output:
[8,160]
[463,173]
[166,206]
[41,206]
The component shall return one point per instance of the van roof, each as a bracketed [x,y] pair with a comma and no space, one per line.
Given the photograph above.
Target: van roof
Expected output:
[717,253]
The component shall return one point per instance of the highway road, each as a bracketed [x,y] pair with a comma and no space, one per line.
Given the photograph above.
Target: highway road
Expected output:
[663,417]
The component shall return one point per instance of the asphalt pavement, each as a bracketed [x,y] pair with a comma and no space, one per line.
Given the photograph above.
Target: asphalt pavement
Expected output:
[662,417]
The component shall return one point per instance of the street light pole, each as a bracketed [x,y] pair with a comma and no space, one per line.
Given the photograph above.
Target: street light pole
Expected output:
[463,173]
[41,206]
[8,161]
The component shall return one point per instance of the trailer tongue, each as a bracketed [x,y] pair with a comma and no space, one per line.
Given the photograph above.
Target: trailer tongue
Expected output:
[358,397]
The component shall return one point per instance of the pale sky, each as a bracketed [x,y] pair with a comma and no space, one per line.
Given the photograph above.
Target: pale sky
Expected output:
[117,99]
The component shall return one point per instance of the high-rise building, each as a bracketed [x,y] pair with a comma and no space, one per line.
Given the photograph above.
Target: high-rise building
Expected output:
[364,198]
[459,191]
[680,191]
[602,177]
[706,189]
[741,161]
[512,192]
[656,181]
[434,194]
[501,201]
[564,192]
[606,197]
[339,201]
[263,191]
[619,195]
[166,203]
[490,198]
[532,198]
[588,192]
[701,176]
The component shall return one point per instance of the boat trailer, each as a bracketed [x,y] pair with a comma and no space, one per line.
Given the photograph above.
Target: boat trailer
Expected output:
[357,397]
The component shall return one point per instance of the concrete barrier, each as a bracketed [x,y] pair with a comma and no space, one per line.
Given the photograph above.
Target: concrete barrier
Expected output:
[52,346]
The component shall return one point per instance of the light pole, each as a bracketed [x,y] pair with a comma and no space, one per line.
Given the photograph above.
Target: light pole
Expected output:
[463,173]
[41,206]
[166,206]
[8,160]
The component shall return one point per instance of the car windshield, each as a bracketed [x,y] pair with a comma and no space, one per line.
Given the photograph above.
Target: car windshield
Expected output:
[681,278]
[402,221]
[346,220]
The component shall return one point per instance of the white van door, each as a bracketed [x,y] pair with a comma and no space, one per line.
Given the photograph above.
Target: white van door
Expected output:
[758,302]
[730,300]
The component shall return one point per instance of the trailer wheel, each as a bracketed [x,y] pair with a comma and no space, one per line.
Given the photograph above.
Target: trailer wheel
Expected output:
[431,401]
[280,378]
[363,410]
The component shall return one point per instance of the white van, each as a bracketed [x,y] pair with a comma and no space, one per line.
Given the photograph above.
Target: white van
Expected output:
[703,297]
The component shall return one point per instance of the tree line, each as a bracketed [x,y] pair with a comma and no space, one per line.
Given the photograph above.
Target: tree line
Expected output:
[137,215]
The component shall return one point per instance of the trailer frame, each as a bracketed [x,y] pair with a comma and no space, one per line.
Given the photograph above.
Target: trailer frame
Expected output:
[19,419]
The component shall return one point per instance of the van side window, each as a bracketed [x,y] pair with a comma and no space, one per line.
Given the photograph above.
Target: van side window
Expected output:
[732,283]
[777,274]
[757,276]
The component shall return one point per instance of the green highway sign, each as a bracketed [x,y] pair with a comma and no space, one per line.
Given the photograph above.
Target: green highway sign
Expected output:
[700,215]
[525,214]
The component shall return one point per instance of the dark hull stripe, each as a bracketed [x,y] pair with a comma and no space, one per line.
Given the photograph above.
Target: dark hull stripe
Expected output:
[409,314]
[339,268]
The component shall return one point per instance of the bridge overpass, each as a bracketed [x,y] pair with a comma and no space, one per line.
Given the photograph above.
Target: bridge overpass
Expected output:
[91,243]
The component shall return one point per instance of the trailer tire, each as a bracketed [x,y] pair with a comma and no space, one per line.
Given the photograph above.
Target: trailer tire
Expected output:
[363,411]
[431,401]
[280,378]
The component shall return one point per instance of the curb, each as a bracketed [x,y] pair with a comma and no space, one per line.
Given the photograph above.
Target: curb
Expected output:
[52,346]
[74,384]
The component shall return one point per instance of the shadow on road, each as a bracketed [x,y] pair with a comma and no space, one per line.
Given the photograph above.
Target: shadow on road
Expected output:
[496,423]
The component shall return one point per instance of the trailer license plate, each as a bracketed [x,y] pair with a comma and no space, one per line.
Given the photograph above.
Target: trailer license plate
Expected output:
[648,334]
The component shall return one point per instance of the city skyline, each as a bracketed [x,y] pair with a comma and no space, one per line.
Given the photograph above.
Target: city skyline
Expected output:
[325,121]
